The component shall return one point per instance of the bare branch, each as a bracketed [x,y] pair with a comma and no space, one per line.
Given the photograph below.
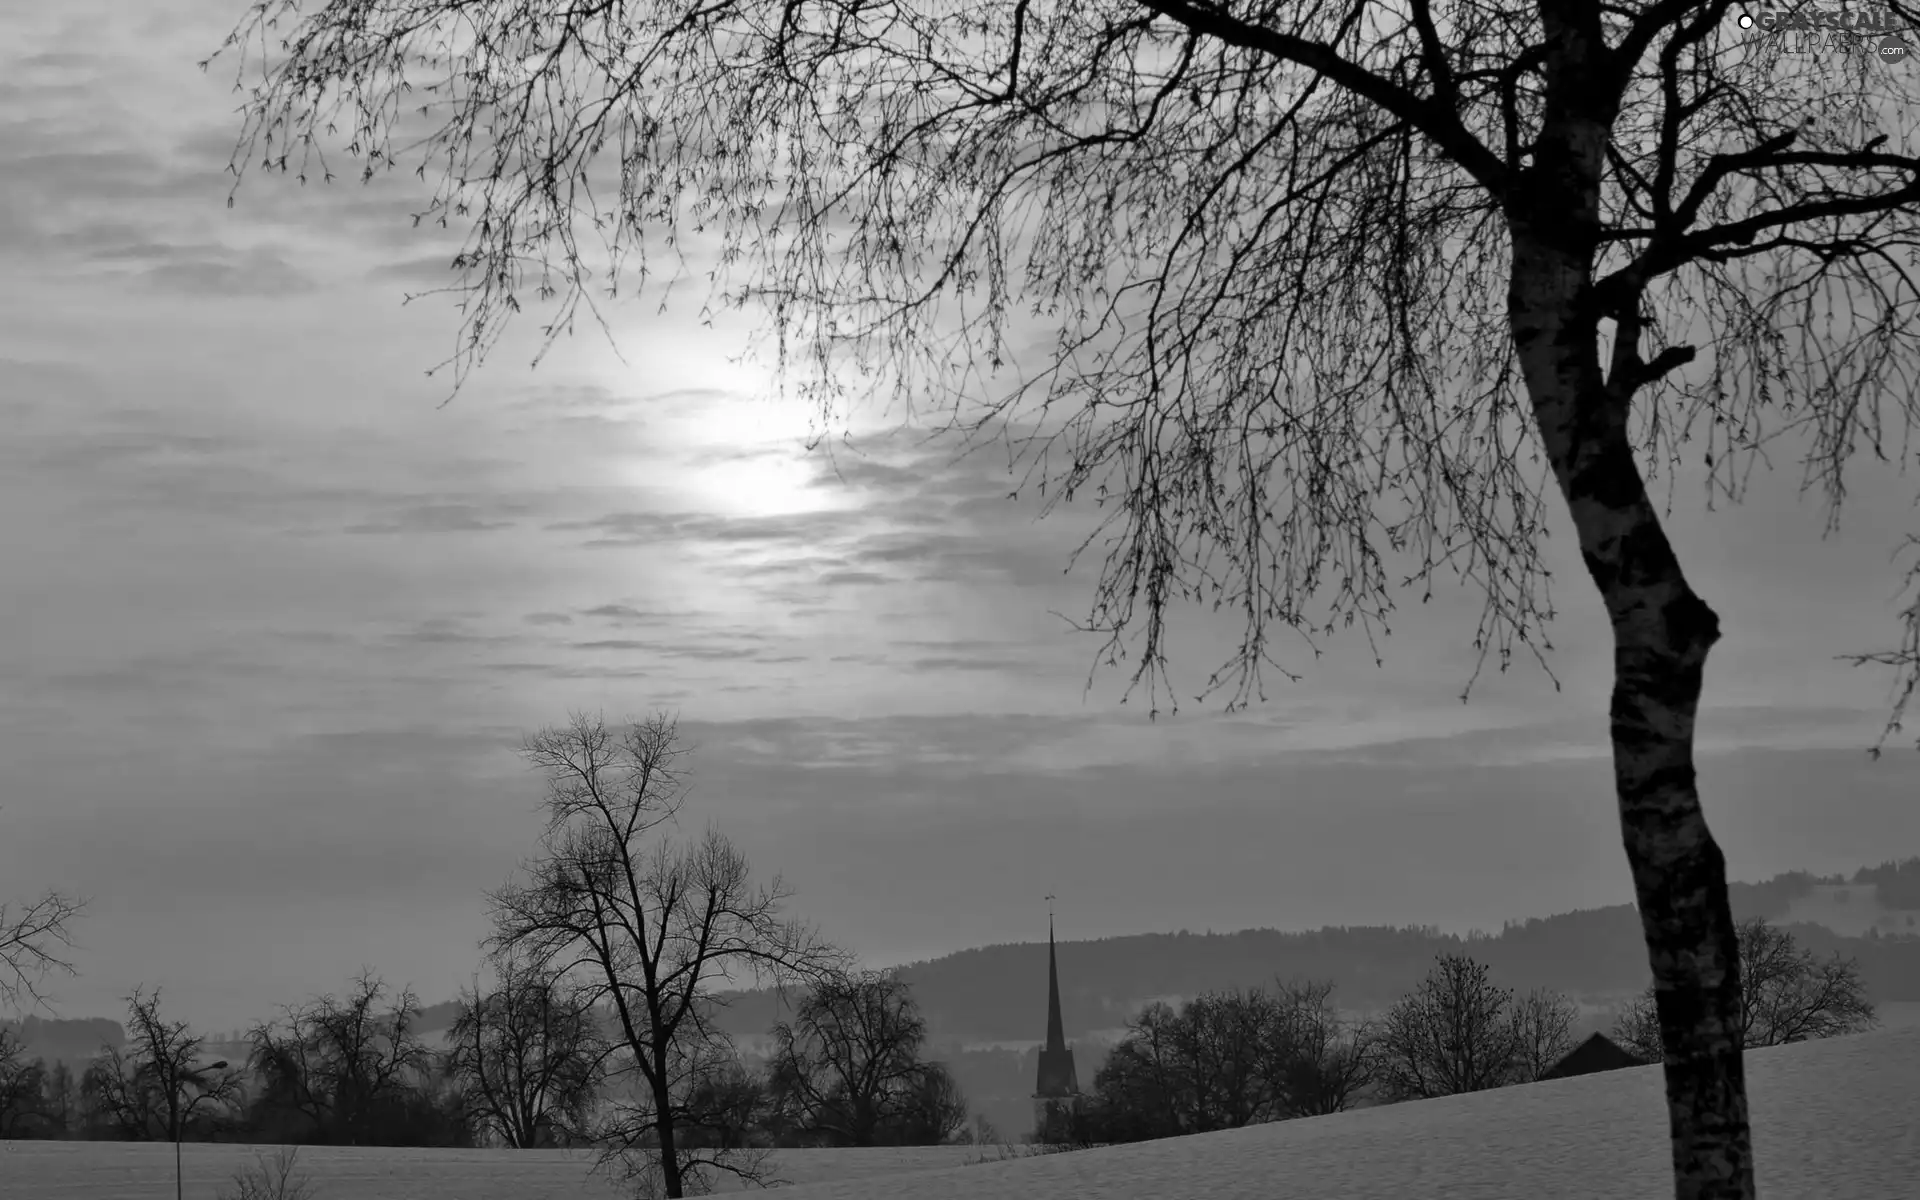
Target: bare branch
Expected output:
[648,928]
[1906,658]
[27,938]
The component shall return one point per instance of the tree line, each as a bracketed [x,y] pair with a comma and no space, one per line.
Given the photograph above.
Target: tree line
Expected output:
[979,993]
[1238,1057]
[610,953]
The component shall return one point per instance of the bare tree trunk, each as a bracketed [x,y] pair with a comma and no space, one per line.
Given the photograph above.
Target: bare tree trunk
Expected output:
[664,1127]
[1662,632]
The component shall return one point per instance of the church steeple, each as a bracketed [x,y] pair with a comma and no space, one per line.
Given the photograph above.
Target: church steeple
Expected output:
[1057,1081]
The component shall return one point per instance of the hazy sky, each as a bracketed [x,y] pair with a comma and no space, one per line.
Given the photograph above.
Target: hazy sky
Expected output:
[276,621]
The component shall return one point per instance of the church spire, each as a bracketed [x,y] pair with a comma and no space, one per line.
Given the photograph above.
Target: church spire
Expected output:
[1056,1076]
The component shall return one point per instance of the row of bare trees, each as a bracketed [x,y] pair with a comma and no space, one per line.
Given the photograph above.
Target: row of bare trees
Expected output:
[346,1071]
[608,955]
[1227,1059]
[1233,1058]
[1788,994]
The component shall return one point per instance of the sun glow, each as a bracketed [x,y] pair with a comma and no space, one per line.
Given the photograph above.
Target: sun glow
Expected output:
[749,458]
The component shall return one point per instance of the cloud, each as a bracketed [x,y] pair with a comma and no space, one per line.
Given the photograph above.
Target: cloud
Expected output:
[950,663]
[260,274]
[439,518]
[639,528]
[427,270]
[548,618]
[564,672]
[627,614]
[447,631]
[705,648]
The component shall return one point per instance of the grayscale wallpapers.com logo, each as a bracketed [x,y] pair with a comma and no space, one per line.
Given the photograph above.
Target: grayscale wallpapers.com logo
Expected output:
[1873,28]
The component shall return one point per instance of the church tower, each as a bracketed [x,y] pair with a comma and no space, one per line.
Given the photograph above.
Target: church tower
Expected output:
[1056,1093]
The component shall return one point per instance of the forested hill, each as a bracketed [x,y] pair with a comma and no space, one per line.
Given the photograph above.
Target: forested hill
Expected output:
[998,993]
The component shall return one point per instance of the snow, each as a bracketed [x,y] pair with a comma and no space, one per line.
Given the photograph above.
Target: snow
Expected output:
[1831,1119]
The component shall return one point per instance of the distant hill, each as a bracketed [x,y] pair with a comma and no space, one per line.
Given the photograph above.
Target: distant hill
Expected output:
[996,993]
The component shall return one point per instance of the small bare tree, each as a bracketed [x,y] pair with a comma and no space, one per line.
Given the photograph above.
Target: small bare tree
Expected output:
[150,1090]
[1326,1061]
[23,1087]
[1542,1022]
[115,1096]
[343,1062]
[1792,996]
[849,1062]
[271,1179]
[166,1057]
[1453,1033]
[1234,1051]
[652,927]
[528,1054]
[62,1104]
[727,1108]
[1146,1085]
[1788,995]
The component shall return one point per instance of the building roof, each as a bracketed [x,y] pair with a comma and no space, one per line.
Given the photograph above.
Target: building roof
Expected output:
[1597,1053]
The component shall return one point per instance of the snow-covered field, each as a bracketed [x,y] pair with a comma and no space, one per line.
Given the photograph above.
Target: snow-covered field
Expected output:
[133,1171]
[1838,1118]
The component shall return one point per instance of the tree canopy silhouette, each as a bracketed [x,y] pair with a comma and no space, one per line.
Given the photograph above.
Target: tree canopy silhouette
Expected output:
[1338,289]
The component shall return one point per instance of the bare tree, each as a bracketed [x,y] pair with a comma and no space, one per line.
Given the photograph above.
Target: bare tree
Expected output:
[528,1054]
[23,1087]
[1340,288]
[1792,996]
[652,927]
[727,1108]
[116,1096]
[166,1063]
[1228,1059]
[62,1105]
[1145,1088]
[938,1111]
[345,1063]
[1789,995]
[152,1090]
[271,1179]
[1453,1033]
[1636,1026]
[1542,1023]
[1326,1061]
[850,1065]
[1232,1044]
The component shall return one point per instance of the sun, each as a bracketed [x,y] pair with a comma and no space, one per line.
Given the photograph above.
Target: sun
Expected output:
[771,484]
[750,458]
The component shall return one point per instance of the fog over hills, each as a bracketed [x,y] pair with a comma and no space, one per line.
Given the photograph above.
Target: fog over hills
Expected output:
[994,994]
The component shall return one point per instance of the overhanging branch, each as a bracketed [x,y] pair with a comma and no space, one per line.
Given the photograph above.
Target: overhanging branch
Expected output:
[1429,115]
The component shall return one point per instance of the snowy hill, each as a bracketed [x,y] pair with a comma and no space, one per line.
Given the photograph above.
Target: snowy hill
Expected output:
[1831,1118]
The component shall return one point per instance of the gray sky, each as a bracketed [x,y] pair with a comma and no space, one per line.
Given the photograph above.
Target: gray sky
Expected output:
[277,621]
